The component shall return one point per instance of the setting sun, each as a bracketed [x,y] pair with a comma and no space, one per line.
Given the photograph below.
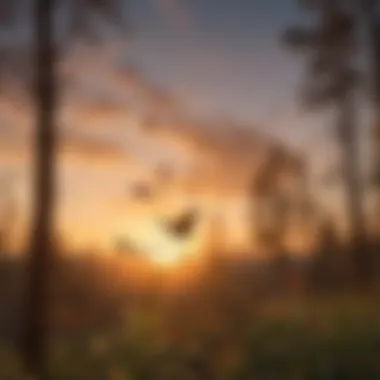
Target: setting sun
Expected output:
[172,206]
[167,255]
[158,246]
[169,251]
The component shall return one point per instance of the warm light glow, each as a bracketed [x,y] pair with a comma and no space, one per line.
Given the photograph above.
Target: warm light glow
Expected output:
[169,251]
[167,255]
[160,247]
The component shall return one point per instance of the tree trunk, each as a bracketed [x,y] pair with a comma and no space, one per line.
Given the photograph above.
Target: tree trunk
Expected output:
[374,43]
[37,303]
[354,192]
[376,160]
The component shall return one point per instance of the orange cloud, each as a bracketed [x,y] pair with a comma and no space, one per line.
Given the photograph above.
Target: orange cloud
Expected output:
[226,157]
[91,150]
[102,113]
[82,149]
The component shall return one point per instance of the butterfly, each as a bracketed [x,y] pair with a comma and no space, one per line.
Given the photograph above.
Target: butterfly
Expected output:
[184,225]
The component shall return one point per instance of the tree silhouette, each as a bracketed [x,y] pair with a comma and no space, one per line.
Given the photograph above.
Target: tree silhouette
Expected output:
[267,187]
[332,79]
[324,262]
[370,10]
[45,93]
[34,345]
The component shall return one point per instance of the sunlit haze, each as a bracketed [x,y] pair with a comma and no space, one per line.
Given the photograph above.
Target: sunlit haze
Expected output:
[198,97]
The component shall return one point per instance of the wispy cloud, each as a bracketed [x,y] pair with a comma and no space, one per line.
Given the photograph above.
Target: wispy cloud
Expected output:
[225,156]
[91,150]
[106,79]
[81,149]
[128,79]
[175,11]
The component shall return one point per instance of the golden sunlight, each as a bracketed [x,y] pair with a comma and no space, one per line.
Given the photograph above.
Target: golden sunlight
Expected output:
[159,247]
[166,254]
[169,251]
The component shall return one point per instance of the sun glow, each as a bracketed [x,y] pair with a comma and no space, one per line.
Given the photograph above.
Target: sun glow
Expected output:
[160,248]
[167,254]
[170,251]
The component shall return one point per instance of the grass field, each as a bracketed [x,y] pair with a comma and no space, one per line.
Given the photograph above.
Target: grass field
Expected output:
[335,339]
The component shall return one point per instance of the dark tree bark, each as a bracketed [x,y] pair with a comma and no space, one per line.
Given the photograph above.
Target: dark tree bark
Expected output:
[371,10]
[331,48]
[354,192]
[40,260]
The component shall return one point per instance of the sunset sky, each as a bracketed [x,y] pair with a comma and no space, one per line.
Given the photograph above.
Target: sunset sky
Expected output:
[217,61]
